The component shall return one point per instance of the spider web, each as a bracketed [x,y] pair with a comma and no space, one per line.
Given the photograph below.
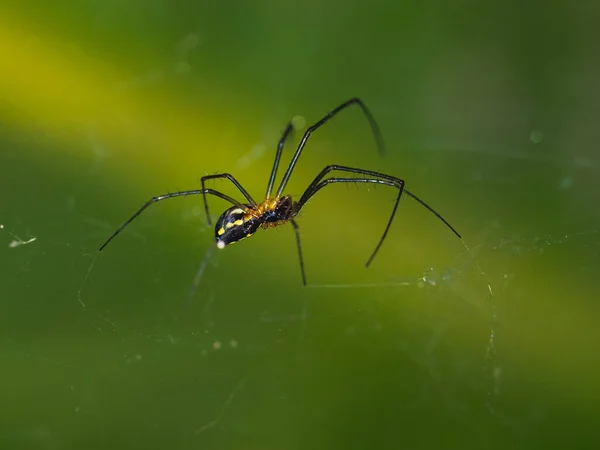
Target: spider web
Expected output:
[496,346]
[312,358]
[236,369]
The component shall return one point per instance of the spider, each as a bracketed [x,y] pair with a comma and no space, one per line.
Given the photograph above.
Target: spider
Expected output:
[242,220]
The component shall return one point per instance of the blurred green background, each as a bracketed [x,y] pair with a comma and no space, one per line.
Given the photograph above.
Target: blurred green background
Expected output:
[489,110]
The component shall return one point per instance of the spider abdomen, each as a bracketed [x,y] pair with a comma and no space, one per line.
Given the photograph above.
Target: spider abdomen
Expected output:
[234,225]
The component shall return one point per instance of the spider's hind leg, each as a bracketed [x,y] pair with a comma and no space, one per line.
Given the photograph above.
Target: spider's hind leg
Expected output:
[297,231]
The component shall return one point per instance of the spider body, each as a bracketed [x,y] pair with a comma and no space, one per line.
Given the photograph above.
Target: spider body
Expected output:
[241,220]
[238,223]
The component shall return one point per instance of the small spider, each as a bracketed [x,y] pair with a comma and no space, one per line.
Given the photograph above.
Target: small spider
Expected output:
[243,219]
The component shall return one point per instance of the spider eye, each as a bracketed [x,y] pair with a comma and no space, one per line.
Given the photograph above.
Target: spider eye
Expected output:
[234,225]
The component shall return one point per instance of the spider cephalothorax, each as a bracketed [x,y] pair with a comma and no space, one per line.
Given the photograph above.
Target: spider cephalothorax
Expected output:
[275,211]
[243,219]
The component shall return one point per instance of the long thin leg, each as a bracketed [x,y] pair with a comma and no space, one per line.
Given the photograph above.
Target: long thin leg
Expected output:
[397,183]
[284,137]
[167,196]
[328,169]
[230,178]
[352,101]
[297,231]
[433,211]
[309,190]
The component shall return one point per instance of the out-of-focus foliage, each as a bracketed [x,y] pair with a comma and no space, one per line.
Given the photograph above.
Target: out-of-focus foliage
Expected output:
[489,112]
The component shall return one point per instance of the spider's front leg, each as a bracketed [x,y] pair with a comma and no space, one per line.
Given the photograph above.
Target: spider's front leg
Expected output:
[370,177]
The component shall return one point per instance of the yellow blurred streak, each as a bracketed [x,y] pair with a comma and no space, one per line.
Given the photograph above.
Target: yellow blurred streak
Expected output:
[56,87]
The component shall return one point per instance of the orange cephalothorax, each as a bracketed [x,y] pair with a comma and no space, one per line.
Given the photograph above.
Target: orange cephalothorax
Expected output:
[274,212]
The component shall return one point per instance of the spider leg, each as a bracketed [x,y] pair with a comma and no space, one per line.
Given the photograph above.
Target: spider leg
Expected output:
[331,114]
[388,181]
[165,197]
[433,211]
[230,178]
[311,189]
[284,137]
[297,231]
